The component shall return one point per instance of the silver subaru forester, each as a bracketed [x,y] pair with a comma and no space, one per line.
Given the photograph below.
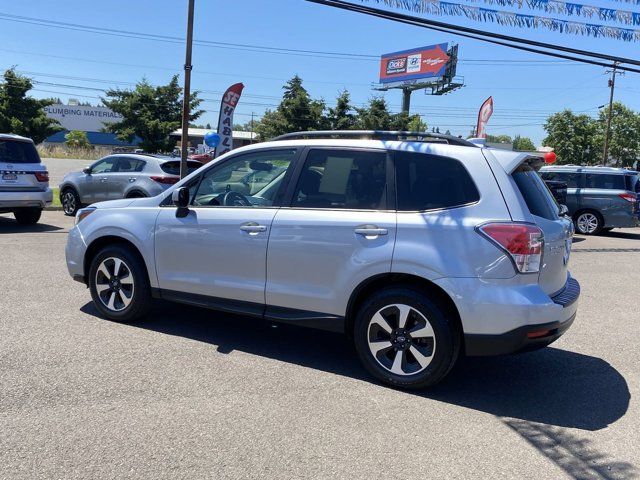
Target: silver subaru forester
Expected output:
[420,247]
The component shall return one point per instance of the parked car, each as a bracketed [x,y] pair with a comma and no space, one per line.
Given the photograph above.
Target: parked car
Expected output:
[598,198]
[420,250]
[120,176]
[558,190]
[24,180]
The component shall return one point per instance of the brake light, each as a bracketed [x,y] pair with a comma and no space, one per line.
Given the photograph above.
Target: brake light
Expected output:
[42,176]
[629,197]
[165,180]
[523,243]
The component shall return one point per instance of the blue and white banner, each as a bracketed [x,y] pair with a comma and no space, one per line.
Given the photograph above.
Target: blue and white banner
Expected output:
[436,7]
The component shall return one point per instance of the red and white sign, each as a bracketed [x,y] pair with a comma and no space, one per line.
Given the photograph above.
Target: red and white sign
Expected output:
[486,110]
[425,62]
[225,121]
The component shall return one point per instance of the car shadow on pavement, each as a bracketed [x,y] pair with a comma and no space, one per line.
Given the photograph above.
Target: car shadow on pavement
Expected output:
[9,225]
[550,386]
[618,234]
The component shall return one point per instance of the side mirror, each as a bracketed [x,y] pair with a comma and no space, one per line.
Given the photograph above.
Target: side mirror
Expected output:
[180,197]
[563,210]
[86,170]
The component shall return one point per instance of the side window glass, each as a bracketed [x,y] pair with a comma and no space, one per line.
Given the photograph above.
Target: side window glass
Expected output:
[354,180]
[426,182]
[248,180]
[106,165]
[129,165]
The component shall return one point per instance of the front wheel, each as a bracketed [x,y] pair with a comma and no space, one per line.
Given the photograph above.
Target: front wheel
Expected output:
[28,216]
[119,284]
[70,201]
[588,223]
[405,339]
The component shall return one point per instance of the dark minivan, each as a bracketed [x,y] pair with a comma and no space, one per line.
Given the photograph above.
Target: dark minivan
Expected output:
[599,198]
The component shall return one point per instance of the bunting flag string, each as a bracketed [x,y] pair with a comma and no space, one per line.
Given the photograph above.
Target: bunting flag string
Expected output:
[436,7]
[566,8]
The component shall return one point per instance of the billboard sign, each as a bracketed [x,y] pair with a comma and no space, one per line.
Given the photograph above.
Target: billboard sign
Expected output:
[84,118]
[418,63]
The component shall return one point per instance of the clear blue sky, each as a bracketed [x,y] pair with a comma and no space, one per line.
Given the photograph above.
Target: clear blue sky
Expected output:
[524,93]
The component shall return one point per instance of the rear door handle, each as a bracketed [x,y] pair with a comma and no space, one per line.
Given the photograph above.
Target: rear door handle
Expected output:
[370,231]
[252,228]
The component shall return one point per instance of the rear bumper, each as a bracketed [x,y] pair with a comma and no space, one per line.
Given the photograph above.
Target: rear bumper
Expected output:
[36,199]
[503,316]
[621,219]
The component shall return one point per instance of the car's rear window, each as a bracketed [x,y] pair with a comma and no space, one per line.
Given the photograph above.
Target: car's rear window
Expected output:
[173,167]
[12,151]
[535,193]
[632,183]
[426,182]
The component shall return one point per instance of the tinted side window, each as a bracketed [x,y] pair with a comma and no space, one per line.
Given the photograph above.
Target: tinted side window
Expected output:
[128,165]
[342,179]
[606,181]
[173,167]
[571,179]
[12,151]
[427,182]
[535,193]
[106,165]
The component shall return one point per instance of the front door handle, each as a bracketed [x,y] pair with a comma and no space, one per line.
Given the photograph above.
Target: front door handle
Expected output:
[252,228]
[370,230]
[132,179]
[103,179]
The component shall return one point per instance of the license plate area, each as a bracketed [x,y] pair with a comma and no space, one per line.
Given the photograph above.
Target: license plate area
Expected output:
[9,177]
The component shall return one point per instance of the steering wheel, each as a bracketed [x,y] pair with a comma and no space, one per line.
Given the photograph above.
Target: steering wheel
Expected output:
[232,198]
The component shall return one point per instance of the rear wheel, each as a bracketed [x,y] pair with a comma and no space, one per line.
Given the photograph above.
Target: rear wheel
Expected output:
[70,201]
[28,216]
[119,284]
[588,222]
[405,339]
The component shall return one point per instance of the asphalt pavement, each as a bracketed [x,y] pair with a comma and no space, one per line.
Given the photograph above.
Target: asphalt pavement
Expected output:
[59,167]
[190,393]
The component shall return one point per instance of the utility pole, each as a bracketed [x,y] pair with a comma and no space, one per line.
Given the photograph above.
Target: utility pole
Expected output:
[251,129]
[187,94]
[607,134]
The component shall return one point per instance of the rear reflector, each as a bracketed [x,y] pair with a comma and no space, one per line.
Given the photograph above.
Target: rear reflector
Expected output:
[629,197]
[166,180]
[42,176]
[523,242]
[538,334]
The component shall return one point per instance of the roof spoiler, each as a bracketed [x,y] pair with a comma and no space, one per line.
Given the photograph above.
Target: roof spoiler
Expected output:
[510,161]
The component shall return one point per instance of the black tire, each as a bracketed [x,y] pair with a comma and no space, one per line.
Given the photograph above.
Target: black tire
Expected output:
[28,216]
[444,347]
[140,293]
[70,201]
[592,227]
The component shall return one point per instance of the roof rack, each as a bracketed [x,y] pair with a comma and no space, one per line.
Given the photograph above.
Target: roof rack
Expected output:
[378,135]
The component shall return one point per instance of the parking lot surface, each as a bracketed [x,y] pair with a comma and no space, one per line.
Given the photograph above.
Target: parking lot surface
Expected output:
[190,393]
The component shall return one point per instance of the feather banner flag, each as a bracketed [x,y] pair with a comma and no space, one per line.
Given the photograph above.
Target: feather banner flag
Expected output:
[511,19]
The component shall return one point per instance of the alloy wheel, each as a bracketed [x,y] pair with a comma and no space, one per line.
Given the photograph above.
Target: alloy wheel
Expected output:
[401,339]
[587,223]
[68,202]
[114,284]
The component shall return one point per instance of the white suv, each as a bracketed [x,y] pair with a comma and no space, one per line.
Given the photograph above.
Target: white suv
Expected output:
[418,246]
[24,180]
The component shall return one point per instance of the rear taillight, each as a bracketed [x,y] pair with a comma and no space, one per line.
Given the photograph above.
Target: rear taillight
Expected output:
[523,242]
[165,180]
[42,176]
[629,197]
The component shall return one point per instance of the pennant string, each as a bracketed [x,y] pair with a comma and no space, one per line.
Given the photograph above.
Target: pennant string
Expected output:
[511,19]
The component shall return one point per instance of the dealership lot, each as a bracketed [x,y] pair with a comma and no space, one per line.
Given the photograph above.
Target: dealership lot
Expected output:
[191,393]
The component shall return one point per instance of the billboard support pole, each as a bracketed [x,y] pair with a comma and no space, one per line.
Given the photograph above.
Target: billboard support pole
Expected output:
[406,100]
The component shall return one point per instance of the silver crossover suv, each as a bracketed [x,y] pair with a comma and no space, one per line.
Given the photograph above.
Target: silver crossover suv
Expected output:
[24,180]
[420,247]
[120,176]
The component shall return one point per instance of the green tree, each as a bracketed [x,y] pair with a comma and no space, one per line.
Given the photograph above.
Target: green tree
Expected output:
[297,112]
[21,114]
[77,139]
[342,116]
[624,143]
[499,139]
[523,144]
[573,137]
[375,116]
[150,113]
